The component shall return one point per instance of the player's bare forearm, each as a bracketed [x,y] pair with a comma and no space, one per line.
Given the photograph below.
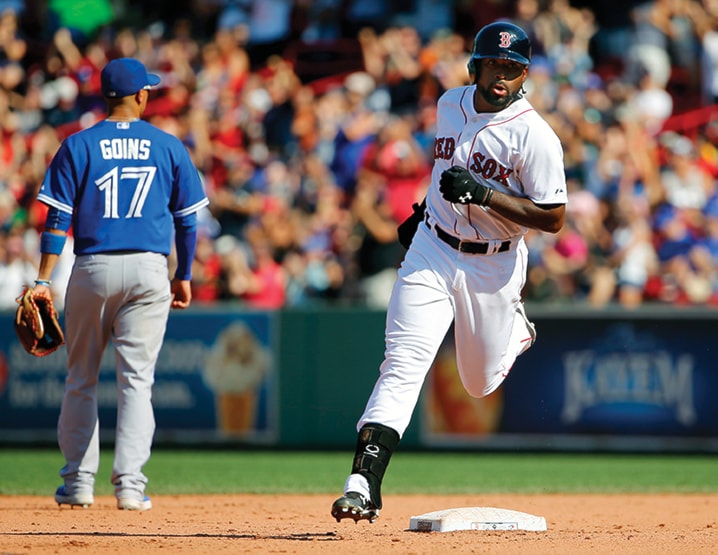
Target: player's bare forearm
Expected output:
[47,266]
[48,261]
[545,217]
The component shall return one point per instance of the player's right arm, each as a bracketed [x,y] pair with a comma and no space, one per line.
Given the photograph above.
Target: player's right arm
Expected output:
[56,192]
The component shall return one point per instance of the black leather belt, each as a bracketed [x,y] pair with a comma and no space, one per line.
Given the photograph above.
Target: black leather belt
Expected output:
[468,247]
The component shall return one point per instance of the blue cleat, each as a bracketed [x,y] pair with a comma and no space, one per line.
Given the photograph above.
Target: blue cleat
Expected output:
[133,504]
[77,499]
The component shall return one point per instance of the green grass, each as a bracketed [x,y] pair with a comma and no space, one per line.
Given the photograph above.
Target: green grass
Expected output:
[35,472]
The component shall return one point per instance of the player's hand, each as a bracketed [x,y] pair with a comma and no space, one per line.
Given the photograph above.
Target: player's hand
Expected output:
[457,185]
[181,293]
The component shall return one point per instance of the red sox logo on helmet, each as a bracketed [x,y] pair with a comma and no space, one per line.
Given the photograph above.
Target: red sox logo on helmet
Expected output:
[504,39]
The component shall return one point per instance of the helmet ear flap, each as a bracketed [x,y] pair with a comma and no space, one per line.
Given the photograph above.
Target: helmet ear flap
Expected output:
[471,66]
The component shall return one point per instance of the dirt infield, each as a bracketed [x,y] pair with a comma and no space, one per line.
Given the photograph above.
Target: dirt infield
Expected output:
[595,524]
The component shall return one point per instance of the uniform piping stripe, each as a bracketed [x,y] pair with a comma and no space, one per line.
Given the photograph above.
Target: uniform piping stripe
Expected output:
[476,135]
[190,209]
[497,124]
[55,204]
[466,117]
[461,105]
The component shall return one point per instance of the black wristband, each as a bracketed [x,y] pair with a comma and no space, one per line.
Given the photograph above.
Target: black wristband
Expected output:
[487,198]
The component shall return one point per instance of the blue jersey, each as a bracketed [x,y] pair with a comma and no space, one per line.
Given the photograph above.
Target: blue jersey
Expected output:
[123,183]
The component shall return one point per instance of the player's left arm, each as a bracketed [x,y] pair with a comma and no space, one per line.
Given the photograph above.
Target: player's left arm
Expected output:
[539,169]
[457,185]
[185,243]
[181,293]
[543,182]
[523,211]
[187,199]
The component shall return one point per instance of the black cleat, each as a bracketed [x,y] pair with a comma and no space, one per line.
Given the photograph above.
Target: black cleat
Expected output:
[353,505]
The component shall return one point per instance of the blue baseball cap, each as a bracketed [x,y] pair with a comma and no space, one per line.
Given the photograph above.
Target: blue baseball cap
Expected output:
[125,76]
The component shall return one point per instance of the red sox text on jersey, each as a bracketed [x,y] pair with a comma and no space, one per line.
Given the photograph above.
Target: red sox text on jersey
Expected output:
[488,168]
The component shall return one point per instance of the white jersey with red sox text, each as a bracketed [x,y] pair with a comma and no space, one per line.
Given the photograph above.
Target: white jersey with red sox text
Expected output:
[513,151]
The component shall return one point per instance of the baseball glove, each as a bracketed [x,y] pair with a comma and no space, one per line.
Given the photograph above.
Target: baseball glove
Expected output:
[37,325]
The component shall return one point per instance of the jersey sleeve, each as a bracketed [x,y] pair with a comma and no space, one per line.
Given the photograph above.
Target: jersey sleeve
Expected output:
[451,116]
[57,189]
[188,195]
[542,167]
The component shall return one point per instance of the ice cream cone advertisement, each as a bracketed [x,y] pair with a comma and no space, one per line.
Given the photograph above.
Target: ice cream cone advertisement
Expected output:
[237,370]
[449,412]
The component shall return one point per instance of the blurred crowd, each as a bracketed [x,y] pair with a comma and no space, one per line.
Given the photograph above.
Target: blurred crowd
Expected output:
[312,124]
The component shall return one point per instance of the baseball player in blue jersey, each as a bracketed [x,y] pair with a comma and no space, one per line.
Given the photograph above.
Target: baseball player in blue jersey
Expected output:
[498,171]
[125,188]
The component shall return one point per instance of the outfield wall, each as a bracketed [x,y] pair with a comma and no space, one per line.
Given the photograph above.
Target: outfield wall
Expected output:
[595,380]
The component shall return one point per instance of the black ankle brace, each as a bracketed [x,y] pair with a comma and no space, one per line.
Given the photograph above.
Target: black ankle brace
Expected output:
[375,445]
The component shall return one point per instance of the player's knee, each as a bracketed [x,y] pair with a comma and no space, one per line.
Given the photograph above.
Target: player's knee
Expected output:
[482,388]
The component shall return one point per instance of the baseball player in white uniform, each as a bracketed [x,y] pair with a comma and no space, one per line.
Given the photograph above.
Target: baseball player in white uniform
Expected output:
[498,170]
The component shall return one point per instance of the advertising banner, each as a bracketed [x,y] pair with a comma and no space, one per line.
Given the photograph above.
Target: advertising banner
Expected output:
[215,379]
[301,378]
[602,378]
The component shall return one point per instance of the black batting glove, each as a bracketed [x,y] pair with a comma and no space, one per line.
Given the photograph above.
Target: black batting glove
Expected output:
[407,228]
[457,185]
